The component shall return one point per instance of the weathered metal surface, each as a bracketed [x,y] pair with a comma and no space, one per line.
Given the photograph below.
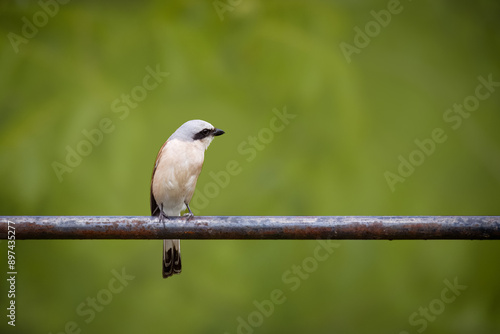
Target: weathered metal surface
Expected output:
[254,227]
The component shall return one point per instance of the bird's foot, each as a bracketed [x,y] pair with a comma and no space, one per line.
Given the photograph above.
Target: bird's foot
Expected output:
[189,214]
[162,217]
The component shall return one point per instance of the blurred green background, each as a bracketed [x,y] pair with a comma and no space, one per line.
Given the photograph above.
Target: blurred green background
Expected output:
[232,64]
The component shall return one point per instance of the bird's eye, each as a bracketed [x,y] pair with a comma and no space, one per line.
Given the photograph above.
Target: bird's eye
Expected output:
[205,132]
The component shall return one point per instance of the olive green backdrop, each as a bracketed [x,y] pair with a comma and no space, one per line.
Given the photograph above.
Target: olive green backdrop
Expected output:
[370,122]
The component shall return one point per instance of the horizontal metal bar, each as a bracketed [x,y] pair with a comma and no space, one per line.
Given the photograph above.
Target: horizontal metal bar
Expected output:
[252,227]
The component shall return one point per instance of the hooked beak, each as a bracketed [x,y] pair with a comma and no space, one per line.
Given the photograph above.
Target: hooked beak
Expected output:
[218,132]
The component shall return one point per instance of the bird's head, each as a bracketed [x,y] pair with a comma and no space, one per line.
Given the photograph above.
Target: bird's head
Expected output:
[197,130]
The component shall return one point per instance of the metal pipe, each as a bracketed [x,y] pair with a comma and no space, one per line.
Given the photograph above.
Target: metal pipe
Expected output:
[253,227]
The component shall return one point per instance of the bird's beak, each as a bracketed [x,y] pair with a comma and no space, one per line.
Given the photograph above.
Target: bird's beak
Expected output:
[218,132]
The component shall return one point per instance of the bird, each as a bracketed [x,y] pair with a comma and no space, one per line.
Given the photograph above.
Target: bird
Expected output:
[176,170]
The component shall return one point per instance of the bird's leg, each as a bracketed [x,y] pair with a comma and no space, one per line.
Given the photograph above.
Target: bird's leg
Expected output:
[162,216]
[189,215]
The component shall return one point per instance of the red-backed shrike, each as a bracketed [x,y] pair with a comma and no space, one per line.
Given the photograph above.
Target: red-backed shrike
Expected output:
[175,173]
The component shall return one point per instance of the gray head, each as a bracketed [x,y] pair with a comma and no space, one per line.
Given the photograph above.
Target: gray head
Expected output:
[196,130]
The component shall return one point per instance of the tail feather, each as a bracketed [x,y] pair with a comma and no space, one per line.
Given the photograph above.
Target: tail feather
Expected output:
[171,257]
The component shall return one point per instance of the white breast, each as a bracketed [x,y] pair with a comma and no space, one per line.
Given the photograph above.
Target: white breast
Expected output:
[176,175]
